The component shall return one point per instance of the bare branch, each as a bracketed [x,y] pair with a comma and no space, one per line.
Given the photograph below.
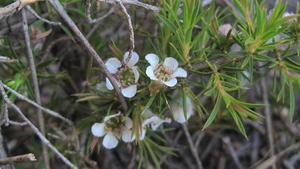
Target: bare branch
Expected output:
[14,7]
[61,11]
[192,146]
[4,59]
[32,11]
[48,111]
[137,3]
[35,129]
[88,13]
[19,158]
[267,112]
[35,84]
[130,27]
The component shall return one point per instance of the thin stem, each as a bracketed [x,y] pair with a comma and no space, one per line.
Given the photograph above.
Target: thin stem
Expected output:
[88,13]
[35,85]
[61,11]
[35,129]
[19,158]
[130,27]
[48,111]
[32,11]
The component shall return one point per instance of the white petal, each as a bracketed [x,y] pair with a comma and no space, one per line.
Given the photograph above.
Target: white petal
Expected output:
[113,64]
[143,134]
[110,141]
[171,63]
[136,74]
[106,118]
[128,122]
[130,91]
[152,58]
[132,60]
[147,114]
[180,73]
[98,129]
[127,136]
[158,121]
[150,73]
[109,85]
[224,29]
[171,82]
[177,110]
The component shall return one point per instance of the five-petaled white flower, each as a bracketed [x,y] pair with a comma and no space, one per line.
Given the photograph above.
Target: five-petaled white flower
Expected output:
[125,72]
[179,113]
[113,128]
[165,72]
[151,120]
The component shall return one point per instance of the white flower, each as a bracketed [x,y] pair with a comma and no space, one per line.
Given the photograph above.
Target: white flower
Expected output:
[165,72]
[153,121]
[224,29]
[114,128]
[178,112]
[126,73]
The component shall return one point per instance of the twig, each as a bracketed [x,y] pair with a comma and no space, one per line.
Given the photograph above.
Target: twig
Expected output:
[4,59]
[14,7]
[135,2]
[267,113]
[88,13]
[32,11]
[232,152]
[270,161]
[192,146]
[61,11]
[130,27]
[3,152]
[48,111]
[35,84]
[19,158]
[35,129]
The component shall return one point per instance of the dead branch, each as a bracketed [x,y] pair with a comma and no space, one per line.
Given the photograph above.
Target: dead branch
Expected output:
[85,43]
[14,7]
[19,158]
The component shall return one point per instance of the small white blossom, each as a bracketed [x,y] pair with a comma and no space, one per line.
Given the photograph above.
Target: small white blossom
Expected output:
[165,72]
[153,121]
[224,29]
[178,112]
[125,72]
[113,128]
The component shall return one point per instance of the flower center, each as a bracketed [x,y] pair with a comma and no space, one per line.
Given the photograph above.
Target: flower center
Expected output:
[126,76]
[162,73]
[115,125]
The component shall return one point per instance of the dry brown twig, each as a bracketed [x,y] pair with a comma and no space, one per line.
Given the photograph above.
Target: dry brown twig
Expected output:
[34,128]
[85,43]
[48,111]
[34,13]
[35,84]
[136,3]
[19,158]
[130,26]
[14,7]
[88,13]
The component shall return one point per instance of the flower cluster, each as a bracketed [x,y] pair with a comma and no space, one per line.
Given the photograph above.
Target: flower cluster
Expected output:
[118,127]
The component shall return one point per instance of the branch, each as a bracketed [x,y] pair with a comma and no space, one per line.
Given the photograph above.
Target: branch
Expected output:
[48,111]
[35,84]
[136,3]
[35,129]
[61,11]
[19,158]
[267,112]
[88,13]
[130,27]
[14,7]
[4,59]
[32,11]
